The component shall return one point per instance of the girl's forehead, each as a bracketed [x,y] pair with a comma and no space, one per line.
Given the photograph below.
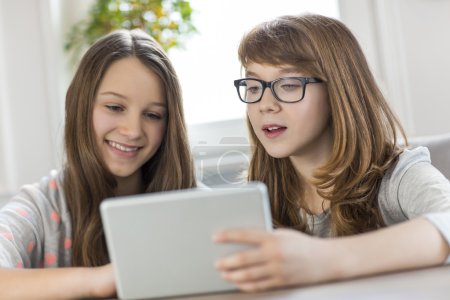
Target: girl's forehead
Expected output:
[256,68]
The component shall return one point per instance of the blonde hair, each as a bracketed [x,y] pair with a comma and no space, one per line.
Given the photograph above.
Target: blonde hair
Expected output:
[364,127]
[86,179]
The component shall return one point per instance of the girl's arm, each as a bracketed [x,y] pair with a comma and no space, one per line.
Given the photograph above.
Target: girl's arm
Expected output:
[58,283]
[286,257]
[410,245]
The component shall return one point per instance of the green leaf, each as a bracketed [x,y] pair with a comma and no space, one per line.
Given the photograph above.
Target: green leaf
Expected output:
[153,16]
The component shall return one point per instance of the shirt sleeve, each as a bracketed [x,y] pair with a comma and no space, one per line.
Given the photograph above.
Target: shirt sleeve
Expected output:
[20,233]
[35,227]
[424,192]
[415,188]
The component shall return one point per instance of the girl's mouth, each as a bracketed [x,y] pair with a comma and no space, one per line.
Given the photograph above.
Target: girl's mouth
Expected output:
[122,149]
[273,131]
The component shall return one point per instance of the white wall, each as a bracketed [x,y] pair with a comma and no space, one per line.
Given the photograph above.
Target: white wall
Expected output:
[3,116]
[29,101]
[209,63]
[407,43]
[34,75]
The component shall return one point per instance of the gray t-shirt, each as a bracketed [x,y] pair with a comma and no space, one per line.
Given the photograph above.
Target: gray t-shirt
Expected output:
[35,226]
[411,189]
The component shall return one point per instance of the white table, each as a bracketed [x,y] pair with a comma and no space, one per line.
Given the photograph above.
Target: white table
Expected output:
[428,284]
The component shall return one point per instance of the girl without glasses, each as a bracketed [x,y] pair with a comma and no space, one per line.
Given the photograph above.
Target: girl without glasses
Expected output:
[325,142]
[124,134]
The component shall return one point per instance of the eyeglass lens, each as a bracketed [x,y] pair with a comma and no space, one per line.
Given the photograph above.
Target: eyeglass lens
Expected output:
[286,89]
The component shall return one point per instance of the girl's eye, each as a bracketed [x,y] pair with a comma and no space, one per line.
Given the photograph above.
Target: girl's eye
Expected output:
[254,89]
[290,87]
[114,108]
[153,116]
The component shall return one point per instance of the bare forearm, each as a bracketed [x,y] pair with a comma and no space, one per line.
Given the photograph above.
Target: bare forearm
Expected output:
[64,283]
[413,244]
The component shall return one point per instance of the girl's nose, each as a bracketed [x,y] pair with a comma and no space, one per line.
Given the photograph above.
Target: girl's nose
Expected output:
[268,102]
[131,127]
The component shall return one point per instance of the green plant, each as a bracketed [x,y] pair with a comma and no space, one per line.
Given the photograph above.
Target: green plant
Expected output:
[168,21]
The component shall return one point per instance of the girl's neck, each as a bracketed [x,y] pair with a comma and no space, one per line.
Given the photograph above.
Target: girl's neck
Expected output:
[307,162]
[315,203]
[130,185]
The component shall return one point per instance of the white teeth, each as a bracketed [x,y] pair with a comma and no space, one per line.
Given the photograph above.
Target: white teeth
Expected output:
[122,148]
[272,128]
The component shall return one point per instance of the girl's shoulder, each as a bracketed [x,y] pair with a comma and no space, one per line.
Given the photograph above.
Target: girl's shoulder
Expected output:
[413,168]
[409,158]
[413,187]
[43,197]
[36,225]
[48,189]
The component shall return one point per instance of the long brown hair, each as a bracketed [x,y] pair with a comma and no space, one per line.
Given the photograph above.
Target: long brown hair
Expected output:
[86,179]
[364,127]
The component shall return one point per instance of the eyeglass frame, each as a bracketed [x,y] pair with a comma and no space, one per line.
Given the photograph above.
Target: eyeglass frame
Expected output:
[269,84]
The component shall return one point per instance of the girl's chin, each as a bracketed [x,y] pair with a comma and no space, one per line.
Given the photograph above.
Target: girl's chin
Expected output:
[277,154]
[124,174]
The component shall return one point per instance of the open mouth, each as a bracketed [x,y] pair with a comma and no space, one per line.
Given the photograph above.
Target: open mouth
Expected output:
[274,129]
[122,147]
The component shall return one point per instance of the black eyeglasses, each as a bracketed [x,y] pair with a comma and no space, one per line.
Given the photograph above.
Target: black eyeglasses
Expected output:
[286,89]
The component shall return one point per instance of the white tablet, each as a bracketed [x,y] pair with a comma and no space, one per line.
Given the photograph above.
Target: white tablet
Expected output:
[161,245]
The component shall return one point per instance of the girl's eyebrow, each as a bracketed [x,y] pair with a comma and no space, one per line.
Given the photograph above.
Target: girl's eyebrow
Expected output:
[250,73]
[113,94]
[163,105]
[153,103]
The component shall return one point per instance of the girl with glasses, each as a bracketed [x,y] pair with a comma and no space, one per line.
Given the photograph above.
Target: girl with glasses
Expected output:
[347,198]
[124,134]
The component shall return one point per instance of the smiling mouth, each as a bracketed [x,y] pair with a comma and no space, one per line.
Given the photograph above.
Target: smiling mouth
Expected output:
[274,128]
[122,147]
